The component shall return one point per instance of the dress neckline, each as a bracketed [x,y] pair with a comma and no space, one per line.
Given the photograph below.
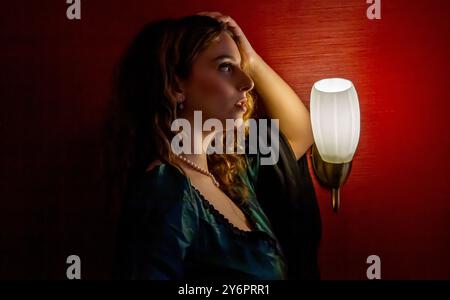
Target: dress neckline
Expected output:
[256,228]
[245,209]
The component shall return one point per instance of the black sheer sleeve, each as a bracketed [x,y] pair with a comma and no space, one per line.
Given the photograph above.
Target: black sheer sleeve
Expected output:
[286,194]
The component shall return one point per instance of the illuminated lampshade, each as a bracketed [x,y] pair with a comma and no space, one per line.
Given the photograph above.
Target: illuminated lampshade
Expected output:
[335,119]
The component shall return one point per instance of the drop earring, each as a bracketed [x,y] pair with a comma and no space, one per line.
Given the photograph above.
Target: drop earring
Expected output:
[180,104]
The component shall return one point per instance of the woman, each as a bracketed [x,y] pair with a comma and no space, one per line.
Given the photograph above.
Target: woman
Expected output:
[196,215]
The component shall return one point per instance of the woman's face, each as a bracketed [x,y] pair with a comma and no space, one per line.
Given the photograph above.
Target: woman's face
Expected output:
[217,83]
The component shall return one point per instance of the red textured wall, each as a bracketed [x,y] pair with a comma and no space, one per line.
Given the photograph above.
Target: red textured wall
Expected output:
[54,82]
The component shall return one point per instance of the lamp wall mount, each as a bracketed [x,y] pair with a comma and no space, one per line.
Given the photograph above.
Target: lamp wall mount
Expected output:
[330,175]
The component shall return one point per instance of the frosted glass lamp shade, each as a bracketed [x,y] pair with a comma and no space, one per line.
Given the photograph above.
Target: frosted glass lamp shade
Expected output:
[334,111]
[335,119]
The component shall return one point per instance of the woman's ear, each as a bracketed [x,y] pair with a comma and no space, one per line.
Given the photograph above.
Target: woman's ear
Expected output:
[178,90]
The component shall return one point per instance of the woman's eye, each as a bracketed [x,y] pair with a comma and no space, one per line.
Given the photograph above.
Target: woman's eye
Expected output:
[227,67]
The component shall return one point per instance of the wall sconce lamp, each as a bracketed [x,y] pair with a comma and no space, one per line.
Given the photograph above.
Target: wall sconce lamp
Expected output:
[335,121]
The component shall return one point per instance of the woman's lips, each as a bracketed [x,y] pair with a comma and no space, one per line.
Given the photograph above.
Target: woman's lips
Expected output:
[242,104]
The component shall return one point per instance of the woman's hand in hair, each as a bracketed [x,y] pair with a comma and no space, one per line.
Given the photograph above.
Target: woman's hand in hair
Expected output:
[237,31]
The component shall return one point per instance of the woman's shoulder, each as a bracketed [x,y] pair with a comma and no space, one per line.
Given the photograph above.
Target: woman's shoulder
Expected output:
[161,187]
[163,174]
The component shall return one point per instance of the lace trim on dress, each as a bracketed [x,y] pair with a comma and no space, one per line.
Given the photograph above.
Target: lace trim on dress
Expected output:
[226,221]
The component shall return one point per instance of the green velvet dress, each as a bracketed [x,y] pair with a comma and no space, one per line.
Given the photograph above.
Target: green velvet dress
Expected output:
[170,231]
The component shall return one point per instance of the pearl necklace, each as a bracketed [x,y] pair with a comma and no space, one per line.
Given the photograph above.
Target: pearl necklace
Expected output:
[199,169]
[203,171]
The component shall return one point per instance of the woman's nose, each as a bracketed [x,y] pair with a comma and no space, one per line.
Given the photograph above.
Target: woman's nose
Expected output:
[245,82]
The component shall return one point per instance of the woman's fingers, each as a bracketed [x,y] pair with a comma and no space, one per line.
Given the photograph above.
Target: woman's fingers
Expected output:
[233,26]
[216,15]
[210,13]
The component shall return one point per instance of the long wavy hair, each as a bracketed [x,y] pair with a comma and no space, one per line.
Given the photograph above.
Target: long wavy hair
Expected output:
[143,106]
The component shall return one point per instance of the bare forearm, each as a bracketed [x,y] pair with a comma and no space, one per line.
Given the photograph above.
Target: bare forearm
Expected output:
[281,102]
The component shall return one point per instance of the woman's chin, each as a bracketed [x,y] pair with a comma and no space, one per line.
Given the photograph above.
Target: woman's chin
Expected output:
[239,113]
[235,115]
